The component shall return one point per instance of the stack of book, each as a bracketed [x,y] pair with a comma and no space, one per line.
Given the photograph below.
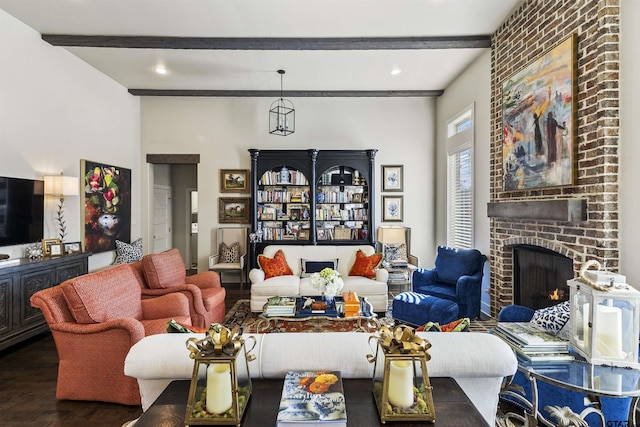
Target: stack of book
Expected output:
[532,343]
[281,307]
[399,263]
[398,276]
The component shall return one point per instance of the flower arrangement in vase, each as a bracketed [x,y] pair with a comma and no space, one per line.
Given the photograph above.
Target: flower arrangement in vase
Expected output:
[329,281]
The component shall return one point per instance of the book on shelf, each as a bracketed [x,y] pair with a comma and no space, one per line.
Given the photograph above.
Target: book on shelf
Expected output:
[281,306]
[531,335]
[312,398]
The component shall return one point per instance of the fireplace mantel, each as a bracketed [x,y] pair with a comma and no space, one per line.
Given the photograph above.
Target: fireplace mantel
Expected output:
[569,210]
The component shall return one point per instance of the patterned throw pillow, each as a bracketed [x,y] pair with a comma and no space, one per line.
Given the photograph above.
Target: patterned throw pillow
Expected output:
[276,266]
[230,254]
[127,253]
[393,251]
[460,325]
[365,265]
[552,318]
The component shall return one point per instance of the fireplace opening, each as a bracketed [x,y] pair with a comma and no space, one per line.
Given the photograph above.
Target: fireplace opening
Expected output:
[540,276]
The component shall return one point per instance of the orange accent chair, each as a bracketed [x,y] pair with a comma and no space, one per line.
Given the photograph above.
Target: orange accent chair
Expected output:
[94,320]
[164,273]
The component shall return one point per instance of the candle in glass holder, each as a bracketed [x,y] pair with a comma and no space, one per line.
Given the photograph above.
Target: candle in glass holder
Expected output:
[219,399]
[400,391]
[609,331]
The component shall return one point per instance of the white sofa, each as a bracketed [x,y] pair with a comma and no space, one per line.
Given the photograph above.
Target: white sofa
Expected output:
[477,361]
[375,290]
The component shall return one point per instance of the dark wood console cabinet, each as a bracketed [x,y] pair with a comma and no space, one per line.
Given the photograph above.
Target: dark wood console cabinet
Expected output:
[18,320]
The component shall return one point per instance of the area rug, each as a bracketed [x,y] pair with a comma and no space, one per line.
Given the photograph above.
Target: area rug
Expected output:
[251,322]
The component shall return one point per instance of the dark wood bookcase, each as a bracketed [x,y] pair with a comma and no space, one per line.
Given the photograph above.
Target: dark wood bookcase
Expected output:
[312,197]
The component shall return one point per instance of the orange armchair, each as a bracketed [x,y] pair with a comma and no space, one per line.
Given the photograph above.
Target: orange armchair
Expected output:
[94,320]
[164,273]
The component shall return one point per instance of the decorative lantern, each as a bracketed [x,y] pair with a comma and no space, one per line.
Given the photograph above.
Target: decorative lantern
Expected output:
[401,386]
[220,384]
[282,114]
[605,323]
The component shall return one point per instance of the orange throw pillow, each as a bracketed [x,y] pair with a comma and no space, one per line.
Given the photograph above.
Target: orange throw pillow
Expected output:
[276,266]
[365,265]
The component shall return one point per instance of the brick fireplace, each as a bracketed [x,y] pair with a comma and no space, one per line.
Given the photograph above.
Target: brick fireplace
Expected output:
[535,27]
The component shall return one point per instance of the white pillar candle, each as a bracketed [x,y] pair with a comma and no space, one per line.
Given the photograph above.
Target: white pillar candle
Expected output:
[218,396]
[400,391]
[609,331]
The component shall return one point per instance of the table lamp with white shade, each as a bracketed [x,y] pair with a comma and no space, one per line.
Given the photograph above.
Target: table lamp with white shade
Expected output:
[61,186]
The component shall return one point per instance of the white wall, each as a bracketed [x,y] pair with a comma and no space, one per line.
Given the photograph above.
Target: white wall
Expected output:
[221,130]
[54,111]
[629,202]
[472,86]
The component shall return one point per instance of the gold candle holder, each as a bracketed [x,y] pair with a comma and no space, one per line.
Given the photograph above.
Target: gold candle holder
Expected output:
[220,384]
[401,386]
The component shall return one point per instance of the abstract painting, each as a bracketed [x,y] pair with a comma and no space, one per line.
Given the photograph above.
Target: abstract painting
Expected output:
[107,206]
[539,121]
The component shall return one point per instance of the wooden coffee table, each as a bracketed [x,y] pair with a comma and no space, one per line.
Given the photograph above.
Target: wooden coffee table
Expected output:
[453,407]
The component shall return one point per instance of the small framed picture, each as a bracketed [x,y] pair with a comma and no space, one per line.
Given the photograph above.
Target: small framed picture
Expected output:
[392,177]
[56,249]
[303,234]
[296,214]
[392,208]
[357,198]
[46,246]
[321,233]
[268,216]
[233,210]
[71,248]
[234,180]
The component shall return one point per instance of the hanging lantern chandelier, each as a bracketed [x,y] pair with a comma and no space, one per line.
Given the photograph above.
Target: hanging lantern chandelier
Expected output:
[282,115]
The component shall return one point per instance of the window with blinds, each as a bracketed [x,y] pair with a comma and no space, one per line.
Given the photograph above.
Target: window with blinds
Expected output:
[460,180]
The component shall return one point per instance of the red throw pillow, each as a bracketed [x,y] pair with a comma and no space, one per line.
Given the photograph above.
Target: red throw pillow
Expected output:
[276,266]
[365,265]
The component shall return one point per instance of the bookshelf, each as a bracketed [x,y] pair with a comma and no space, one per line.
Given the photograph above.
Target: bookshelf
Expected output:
[312,197]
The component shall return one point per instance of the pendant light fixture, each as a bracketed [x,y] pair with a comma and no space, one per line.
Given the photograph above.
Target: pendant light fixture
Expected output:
[282,115]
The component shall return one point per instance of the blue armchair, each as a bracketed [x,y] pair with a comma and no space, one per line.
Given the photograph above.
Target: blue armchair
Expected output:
[457,277]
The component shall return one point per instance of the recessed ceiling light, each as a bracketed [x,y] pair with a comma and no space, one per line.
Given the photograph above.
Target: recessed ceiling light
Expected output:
[160,69]
[395,71]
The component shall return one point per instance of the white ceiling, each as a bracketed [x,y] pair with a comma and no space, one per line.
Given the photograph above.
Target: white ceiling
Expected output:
[240,70]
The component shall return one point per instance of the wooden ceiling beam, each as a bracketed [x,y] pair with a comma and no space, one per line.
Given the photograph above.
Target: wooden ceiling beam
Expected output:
[244,43]
[289,93]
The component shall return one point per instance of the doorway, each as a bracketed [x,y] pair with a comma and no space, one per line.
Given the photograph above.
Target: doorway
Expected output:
[175,186]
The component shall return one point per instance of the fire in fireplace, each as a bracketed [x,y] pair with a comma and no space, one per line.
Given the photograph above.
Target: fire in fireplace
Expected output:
[540,276]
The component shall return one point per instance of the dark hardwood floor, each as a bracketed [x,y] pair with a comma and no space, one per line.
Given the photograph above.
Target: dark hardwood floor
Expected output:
[28,374]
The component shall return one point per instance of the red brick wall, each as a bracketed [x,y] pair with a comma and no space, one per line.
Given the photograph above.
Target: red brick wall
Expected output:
[535,27]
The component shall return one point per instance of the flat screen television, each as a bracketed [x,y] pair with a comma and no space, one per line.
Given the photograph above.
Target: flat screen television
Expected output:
[21,211]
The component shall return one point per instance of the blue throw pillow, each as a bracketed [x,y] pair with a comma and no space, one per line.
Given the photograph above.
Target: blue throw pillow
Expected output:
[309,267]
